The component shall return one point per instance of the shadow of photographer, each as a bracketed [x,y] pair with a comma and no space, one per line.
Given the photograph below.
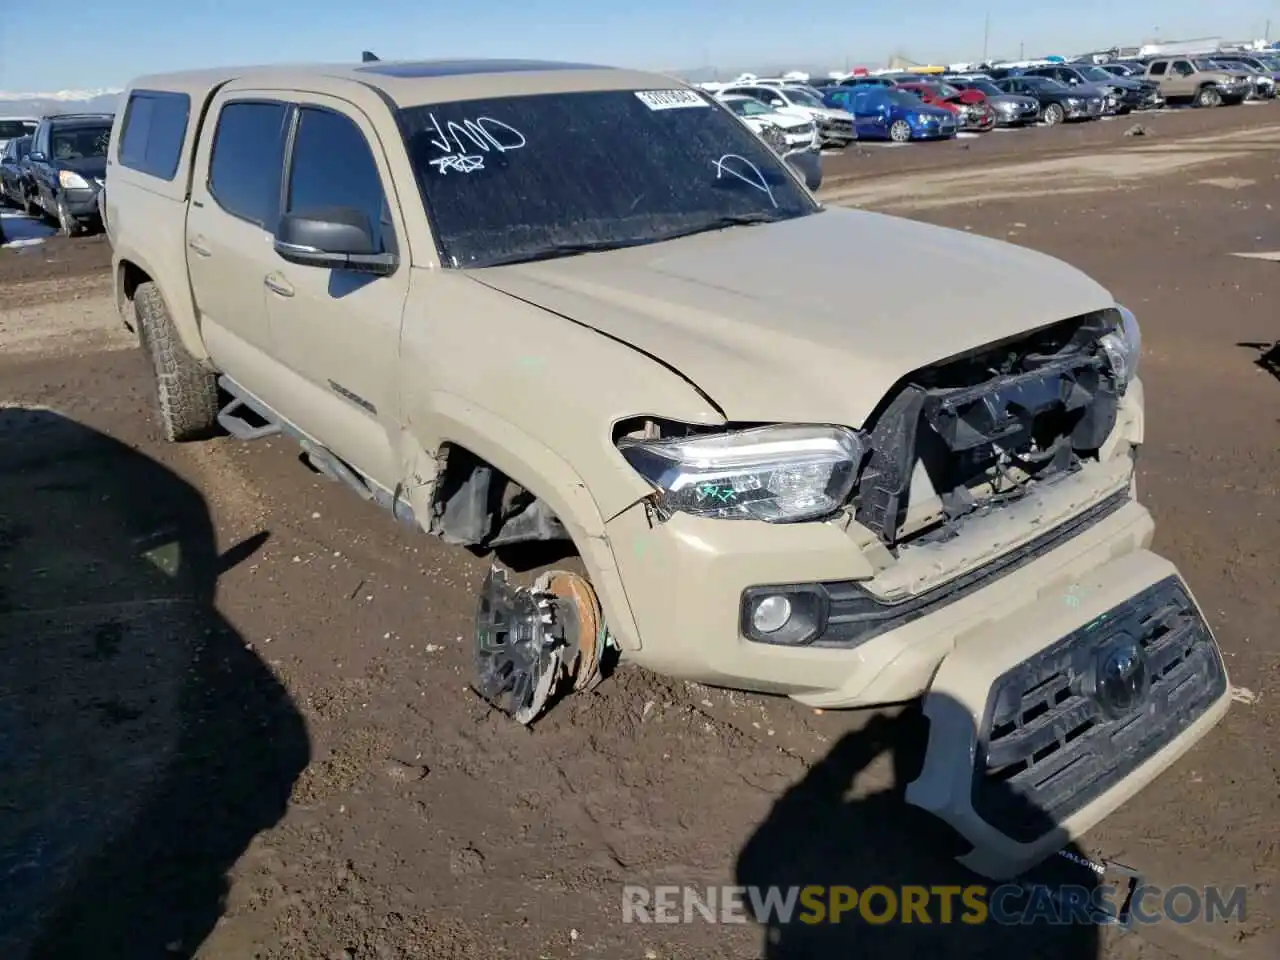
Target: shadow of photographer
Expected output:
[818,834]
[142,744]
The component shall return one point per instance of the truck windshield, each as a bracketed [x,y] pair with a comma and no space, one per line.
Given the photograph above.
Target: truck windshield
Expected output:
[521,178]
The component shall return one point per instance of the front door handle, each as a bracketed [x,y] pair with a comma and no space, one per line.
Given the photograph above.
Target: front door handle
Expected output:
[197,245]
[278,285]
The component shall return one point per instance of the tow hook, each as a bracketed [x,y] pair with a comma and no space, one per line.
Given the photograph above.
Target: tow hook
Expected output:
[534,643]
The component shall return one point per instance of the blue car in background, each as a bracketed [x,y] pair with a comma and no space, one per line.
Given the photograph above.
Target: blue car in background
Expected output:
[892,114]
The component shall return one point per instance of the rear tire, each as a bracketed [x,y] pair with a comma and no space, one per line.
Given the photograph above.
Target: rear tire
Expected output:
[186,393]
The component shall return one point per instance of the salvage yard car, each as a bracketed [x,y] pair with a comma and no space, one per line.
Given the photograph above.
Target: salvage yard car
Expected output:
[886,113]
[1183,80]
[796,134]
[67,166]
[515,301]
[1058,103]
[1011,110]
[834,126]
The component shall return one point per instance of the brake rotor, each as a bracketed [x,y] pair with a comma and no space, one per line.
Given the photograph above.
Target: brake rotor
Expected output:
[584,628]
[519,654]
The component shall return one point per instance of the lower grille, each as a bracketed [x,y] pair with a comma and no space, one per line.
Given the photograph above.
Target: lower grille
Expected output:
[1057,735]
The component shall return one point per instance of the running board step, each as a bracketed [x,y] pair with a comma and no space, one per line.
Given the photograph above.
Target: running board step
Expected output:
[335,469]
[232,417]
[324,461]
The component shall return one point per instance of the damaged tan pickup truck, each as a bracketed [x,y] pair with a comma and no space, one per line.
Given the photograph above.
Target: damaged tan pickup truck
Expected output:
[516,301]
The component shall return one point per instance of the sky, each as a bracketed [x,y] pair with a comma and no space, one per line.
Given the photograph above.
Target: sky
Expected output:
[103,45]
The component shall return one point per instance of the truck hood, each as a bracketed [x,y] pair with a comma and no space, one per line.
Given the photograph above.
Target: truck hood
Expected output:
[806,320]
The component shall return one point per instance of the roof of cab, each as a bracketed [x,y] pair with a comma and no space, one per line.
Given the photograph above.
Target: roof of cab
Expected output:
[413,82]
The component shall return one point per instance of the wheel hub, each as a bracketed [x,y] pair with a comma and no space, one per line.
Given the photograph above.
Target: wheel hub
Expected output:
[530,639]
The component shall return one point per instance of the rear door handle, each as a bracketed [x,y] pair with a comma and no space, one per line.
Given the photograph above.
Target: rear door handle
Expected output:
[278,285]
[197,244]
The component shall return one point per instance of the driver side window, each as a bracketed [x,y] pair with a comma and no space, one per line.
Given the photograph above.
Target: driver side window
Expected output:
[1183,69]
[333,166]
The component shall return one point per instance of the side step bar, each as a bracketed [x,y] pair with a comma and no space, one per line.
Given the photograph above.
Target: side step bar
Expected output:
[231,418]
[323,460]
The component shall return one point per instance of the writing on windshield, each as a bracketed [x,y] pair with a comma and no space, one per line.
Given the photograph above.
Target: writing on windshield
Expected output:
[526,177]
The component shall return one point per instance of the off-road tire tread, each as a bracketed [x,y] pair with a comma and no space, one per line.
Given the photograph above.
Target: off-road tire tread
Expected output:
[186,393]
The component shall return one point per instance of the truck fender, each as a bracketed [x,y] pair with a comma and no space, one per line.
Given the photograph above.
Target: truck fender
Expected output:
[131,269]
[535,467]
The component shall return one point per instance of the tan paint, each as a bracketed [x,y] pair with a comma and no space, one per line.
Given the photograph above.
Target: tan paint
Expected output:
[532,367]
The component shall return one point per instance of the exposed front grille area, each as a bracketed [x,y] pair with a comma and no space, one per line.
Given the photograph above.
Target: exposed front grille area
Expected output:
[1060,731]
[857,616]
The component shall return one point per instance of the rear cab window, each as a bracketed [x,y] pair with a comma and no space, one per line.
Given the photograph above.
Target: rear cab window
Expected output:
[247,161]
[13,129]
[154,130]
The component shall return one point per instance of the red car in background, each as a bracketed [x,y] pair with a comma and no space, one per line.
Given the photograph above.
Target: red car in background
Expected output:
[970,106]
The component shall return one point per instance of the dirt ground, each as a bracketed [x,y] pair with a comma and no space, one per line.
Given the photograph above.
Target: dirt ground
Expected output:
[234,709]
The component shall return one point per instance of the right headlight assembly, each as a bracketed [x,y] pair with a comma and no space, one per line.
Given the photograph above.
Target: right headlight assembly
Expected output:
[778,474]
[1123,347]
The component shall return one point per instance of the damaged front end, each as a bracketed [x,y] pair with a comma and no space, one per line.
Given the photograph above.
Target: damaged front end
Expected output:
[982,431]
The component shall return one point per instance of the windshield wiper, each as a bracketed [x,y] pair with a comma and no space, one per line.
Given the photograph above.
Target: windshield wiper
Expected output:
[595,246]
[722,223]
[569,250]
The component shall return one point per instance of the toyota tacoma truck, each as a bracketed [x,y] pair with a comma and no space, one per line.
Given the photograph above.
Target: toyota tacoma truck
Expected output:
[516,301]
[1199,82]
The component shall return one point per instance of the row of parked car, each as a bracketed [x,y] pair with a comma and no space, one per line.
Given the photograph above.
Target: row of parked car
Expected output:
[905,106]
[55,167]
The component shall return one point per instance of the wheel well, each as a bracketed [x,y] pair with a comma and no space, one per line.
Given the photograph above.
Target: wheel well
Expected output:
[476,504]
[132,276]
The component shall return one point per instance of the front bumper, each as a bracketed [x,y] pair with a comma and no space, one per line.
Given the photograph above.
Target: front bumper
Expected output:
[889,623]
[1024,754]
[82,201]
[834,131]
[979,123]
[1084,111]
[931,128]
[1018,116]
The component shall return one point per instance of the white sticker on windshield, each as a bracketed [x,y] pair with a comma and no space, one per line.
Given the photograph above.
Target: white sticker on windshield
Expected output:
[670,99]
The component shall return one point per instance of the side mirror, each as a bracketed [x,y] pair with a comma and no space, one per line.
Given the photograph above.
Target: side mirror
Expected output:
[338,238]
[35,157]
[775,102]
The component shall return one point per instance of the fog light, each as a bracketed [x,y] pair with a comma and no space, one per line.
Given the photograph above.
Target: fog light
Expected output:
[771,613]
[791,614]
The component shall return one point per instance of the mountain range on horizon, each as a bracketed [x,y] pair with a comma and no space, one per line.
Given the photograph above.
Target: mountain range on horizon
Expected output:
[60,101]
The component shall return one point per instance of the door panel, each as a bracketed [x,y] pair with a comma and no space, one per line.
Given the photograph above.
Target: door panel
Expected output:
[338,331]
[229,247]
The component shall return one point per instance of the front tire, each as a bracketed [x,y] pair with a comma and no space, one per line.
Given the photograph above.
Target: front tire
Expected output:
[1053,114]
[186,393]
[68,226]
[900,131]
[1209,96]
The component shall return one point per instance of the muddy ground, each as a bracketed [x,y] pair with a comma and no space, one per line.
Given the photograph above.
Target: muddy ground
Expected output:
[234,713]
